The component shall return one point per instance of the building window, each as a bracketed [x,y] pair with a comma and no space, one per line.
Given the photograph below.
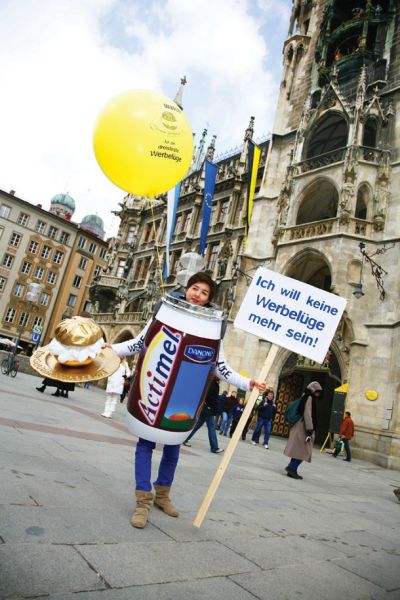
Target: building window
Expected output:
[19,290]
[7,261]
[103,253]
[51,277]
[81,243]
[23,219]
[33,246]
[147,232]
[131,234]
[97,270]
[23,319]
[64,237]
[37,321]
[5,211]
[39,271]
[15,240]
[1,232]
[58,256]
[10,315]
[40,226]
[46,251]
[223,210]
[71,300]
[121,268]
[212,258]
[77,281]
[52,232]
[26,267]
[92,248]
[3,282]
[87,307]
[44,299]
[83,263]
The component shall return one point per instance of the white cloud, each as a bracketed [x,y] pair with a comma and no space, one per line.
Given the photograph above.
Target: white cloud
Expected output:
[60,61]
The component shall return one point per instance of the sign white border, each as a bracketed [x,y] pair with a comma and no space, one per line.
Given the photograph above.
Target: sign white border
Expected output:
[290,313]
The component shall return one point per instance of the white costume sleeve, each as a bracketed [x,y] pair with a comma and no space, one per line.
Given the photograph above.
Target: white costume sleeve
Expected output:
[225,372]
[132,346]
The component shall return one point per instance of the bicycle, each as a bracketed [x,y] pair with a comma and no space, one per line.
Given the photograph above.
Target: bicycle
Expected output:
[10,366]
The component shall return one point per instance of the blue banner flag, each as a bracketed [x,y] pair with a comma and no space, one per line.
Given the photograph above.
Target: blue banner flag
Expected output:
[210,175]
[172,205]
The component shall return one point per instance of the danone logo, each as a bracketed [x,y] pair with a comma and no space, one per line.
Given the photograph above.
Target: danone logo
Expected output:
[199,354]
[156,370]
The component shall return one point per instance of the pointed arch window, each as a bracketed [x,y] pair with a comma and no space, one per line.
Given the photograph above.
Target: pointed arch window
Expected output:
[330,133]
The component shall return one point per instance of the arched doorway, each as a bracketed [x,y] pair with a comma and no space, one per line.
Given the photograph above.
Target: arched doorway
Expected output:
[296,374]
[312,267]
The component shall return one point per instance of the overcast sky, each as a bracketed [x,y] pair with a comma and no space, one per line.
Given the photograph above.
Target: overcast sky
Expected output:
[62,60]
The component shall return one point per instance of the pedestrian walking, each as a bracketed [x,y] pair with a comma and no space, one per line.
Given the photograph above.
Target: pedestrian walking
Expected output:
[346,432]
[302,435]
[265,416]
[47,382]
[208,415]
[199,291]
[115,386]
[236,414]
[230,402]
[125,390]
[221,403]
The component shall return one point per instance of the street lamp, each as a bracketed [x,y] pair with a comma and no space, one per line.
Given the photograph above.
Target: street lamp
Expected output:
[376,270]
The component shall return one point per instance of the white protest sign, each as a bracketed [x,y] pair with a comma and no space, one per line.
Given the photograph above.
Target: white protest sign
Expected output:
[290,313]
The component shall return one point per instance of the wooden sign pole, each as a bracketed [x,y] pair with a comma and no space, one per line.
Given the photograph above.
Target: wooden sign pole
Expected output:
[235,438]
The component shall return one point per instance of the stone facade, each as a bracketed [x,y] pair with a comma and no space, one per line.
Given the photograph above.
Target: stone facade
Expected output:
[332,181]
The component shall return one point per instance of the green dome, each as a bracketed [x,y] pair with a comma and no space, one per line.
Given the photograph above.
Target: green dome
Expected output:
[92,220]
[63,199]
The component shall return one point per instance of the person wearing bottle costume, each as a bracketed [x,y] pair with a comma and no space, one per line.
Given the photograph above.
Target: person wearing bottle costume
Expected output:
[199,291]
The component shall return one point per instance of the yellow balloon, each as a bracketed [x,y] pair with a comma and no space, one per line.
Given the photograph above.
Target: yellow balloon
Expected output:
[143,142]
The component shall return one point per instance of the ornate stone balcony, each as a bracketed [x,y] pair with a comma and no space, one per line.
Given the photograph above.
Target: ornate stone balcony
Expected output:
[109,281]
[349,225]
[374,155]
[108,318]
[322,160]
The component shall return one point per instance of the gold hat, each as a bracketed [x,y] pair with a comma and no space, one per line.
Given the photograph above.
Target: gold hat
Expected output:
[79,342]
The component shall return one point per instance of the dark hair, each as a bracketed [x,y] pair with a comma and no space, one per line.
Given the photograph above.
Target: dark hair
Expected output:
[348,413]
[203,278]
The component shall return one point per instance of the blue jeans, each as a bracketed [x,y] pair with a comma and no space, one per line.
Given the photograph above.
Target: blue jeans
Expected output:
[212,436]
[294,464]
[347,449]
[166,470]
[225,423]
[267,424]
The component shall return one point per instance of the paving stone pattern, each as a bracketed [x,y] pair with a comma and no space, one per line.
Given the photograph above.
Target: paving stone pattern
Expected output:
[67,493]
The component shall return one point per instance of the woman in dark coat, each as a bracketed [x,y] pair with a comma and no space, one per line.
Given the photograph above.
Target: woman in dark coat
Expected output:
[300,444]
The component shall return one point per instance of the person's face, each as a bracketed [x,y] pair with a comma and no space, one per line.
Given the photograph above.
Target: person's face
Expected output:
[270,396]
[241,401]
[317,393]
[198,293]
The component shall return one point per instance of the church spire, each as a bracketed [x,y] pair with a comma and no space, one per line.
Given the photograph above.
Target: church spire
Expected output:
[250,130]
[211,149]
[179,93]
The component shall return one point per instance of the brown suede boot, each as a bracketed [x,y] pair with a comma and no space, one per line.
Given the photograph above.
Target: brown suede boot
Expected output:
[144,500]
[163,501]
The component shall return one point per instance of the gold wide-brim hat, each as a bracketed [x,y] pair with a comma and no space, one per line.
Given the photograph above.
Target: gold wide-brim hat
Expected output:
[73,336]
